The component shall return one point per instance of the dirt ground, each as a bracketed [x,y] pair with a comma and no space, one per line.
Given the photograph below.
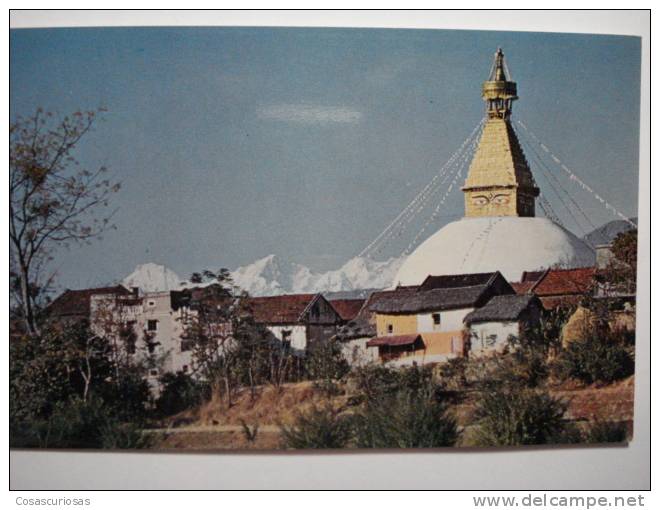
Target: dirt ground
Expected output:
[215,426]
[216,438]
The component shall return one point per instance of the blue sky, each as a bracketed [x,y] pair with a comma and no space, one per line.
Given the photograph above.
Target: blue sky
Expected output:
[234,143]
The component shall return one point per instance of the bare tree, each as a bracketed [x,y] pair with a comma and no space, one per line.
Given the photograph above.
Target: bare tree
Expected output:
[51,198]
[211,327]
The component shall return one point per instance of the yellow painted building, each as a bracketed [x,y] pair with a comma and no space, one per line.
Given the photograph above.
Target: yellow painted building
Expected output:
[427,325]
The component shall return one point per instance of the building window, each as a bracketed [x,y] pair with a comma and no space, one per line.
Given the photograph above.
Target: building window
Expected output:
[390,329]
[184,369]
[436,320]
[186,345]
[151,303]
[153,372]
[152,325]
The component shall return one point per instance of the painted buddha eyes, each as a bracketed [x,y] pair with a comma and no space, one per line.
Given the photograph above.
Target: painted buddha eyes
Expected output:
[500,199]
[481,200]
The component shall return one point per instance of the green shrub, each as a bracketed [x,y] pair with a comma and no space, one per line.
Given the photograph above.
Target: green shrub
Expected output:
[128,396]
[325,365]
[511,415]
[78,424]
[402,408]
[179,392]
[406,419]
[373,381]
[510,369]
[453,373]
[599,358]
[67,390]
[320,427]
[116,435]
[42,371]
[606,432]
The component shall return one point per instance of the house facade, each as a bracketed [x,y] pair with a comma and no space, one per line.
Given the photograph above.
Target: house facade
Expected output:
[156,321]
[355,335]
[75,305]
[426,325]
[490,327]
[300,321]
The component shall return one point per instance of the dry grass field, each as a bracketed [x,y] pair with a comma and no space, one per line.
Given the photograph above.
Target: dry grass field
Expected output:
[214,426]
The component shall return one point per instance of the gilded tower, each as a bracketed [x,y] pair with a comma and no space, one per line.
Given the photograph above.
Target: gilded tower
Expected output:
[499,182]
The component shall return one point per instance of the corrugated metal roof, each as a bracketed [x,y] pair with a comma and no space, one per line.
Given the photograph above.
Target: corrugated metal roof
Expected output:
[393,340]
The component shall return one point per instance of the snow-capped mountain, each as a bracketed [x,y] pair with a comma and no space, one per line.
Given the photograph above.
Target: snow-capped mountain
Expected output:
[152,277]
[271,275]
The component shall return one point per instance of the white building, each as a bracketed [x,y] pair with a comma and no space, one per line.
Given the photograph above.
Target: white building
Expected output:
[491,326]
[156,317]
[298,320]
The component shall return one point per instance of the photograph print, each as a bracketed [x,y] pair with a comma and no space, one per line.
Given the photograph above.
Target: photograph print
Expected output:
[233,238]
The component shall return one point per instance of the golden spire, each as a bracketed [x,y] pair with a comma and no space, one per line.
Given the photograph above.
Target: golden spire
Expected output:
[499,182]
[498,91]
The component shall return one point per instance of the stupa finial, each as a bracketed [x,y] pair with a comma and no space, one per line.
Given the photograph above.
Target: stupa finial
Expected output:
[499,182]
[498,91]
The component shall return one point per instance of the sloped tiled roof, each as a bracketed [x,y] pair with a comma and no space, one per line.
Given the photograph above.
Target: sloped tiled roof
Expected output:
[347,308]
[393,340]
[285,309]
[557,282]
[531,276]
[436,299]
[77,302]
[453,281]
[383,296]
[358,328]
[362,325]
[502,308]
[522,287]
[444,293]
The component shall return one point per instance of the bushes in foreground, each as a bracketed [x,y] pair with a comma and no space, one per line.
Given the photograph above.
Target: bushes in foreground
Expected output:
[78,423]
[179,392]
[597,359]
[405,420]
[519,416]
[320,427]
[606,432]
[396,409]
[68,390]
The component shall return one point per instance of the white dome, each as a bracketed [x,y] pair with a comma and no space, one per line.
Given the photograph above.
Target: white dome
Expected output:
[509,244]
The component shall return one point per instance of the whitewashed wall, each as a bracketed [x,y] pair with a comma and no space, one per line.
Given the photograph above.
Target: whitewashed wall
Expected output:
[157,306]
[450,320]
[357,353]
[406,361]
[298,335]
[154,306]
[489,337]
